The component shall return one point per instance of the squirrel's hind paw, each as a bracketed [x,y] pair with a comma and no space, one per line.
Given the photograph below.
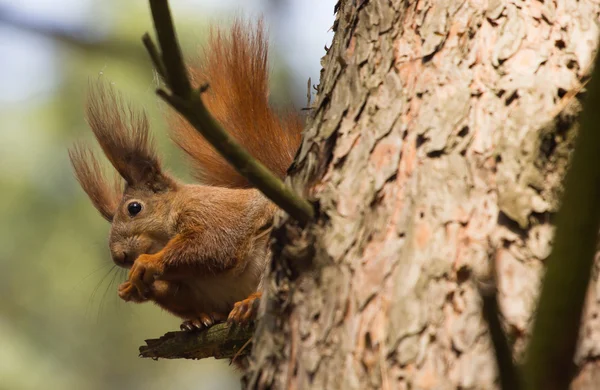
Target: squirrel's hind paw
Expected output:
[245,311]
[202,321]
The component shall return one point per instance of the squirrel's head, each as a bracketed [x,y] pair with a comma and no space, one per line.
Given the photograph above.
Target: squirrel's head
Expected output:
[139,202]
[143,223]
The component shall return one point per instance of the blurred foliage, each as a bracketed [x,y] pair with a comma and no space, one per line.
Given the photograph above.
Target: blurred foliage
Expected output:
[61,323]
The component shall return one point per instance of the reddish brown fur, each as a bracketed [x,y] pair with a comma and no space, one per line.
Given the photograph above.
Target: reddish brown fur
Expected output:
[235,67]
[124,136]
[195,250]
[215,259]
[104,196]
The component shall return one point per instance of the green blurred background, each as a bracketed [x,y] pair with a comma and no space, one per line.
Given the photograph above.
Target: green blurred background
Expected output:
[62,325]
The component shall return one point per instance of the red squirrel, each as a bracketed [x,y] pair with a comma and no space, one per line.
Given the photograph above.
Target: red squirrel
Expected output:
[199,251]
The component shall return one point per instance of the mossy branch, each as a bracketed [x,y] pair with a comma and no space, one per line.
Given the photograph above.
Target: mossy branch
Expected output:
[222,341]
[549,358]
[188,103]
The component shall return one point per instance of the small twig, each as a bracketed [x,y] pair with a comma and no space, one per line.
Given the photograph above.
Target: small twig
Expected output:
[188,103]
[154,56]
[240,351]
[172,58]
[74,38]
[308,94]
[572,92]
[270,185]
[221,341]
[509,379]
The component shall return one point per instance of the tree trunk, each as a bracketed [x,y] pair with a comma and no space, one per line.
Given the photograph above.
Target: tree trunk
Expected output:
[435,152]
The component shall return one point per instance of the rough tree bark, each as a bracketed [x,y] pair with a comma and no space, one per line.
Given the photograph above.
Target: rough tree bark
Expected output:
[439,138]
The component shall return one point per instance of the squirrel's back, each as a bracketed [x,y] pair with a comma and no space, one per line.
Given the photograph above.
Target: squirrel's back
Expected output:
[235,68]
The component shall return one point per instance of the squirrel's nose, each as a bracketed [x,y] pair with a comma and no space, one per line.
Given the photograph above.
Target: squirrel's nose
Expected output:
[123,259]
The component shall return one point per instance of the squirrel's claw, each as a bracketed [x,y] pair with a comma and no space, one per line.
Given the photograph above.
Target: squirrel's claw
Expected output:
[244,311]
[203,321]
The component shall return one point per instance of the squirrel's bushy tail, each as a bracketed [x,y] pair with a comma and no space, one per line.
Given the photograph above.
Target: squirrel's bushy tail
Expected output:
[235,68]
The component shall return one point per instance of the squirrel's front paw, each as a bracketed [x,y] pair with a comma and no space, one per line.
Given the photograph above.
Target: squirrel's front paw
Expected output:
[144,271]
[129,293]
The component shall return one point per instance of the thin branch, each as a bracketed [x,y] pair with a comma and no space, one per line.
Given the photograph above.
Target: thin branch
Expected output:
[506,367]
[242,351]
[74,38]
[154,56]
[172,58]
[222,341]
[189,104]
[549,358]
[271,186]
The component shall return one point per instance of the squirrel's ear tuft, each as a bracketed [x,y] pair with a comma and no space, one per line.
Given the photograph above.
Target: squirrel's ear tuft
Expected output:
[124,136]
[105,196]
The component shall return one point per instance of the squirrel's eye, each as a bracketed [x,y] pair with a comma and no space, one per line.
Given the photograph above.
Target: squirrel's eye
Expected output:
[134,208]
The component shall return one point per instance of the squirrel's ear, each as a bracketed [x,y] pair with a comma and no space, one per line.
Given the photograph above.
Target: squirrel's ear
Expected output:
[152,177]
[124,135]
[104,196]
